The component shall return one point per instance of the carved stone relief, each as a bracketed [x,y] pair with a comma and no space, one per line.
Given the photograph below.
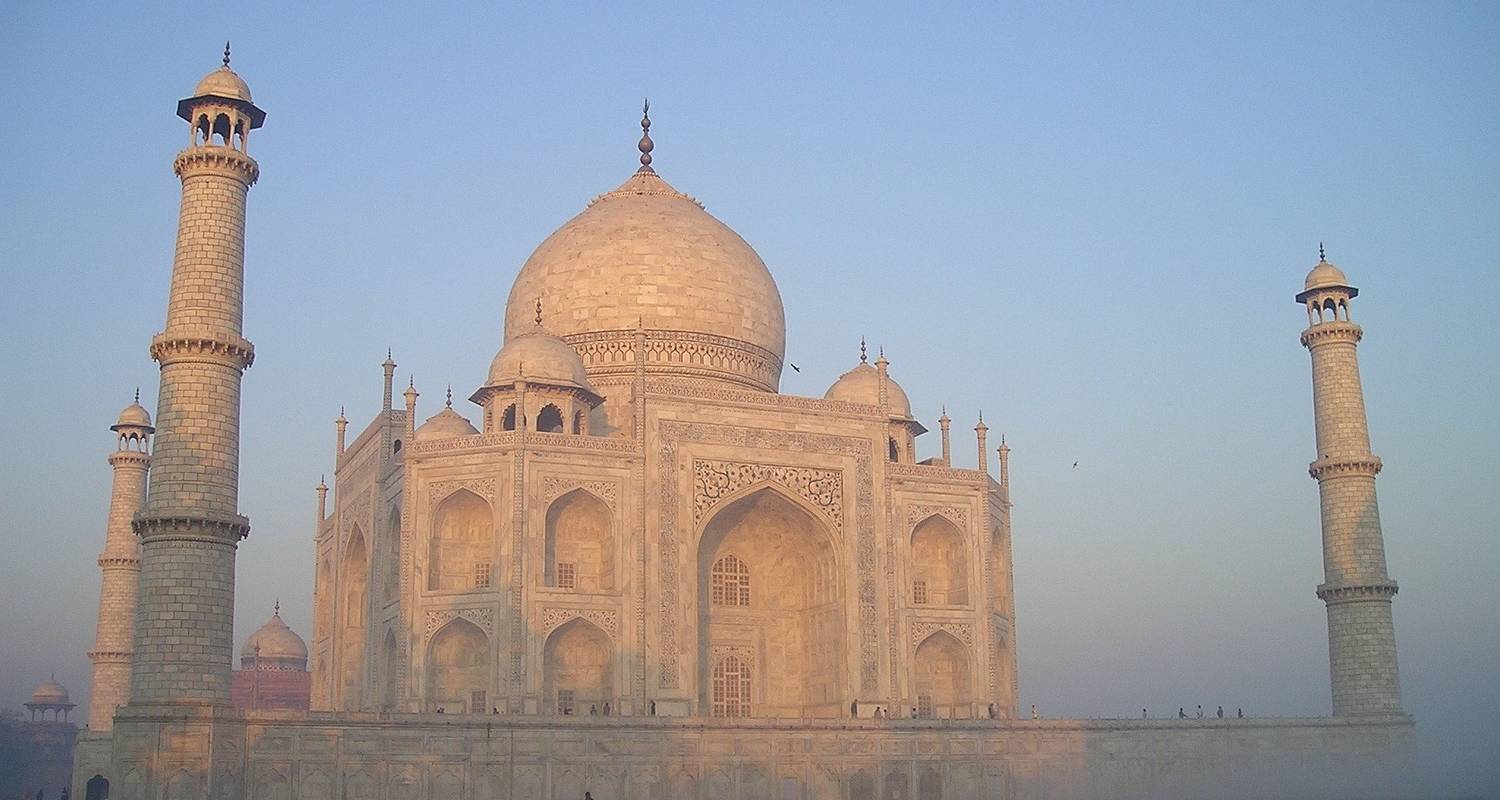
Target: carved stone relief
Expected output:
[962,631]
[607,619]
[482,617]
[438,490]
[713,481]
[555,486]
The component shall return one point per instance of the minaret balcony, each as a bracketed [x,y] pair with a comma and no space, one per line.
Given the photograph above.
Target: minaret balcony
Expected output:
[1328,467]
[1333,331]
[1381,591]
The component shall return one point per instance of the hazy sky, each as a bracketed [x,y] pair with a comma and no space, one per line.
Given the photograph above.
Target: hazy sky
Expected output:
[1087,221]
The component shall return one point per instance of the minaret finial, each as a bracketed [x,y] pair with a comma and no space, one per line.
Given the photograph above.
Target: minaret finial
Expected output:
[646,145]
[450,395]
[226,54]
[864,357]
[276,609]
[138,394]
[539,312]
[1321,257]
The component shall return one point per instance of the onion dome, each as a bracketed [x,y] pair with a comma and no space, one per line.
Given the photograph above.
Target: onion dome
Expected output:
[49,693]
[133,416]
[1325,275]
[274,646]
[646,255]
[537,356]
[445,424]
[862,385]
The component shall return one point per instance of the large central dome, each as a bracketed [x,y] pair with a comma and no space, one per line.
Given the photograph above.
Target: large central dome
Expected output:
[647,255]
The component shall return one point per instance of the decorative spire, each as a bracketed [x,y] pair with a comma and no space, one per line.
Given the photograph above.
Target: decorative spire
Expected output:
[944,417]
[450,395]
[276,609]
[226,54]
[341,412]
[881,362]
[864,357]
[137,395]
[646,145]
[1322,259]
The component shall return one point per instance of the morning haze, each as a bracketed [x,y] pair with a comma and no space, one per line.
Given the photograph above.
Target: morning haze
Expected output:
[1087,223]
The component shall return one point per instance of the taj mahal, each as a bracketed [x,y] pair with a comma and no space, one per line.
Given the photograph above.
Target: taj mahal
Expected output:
[631,566]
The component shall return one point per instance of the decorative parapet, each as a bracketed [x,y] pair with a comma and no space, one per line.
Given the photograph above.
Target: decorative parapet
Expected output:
[191,526]
[209,348]
[1351,466]
[677,390]
[1356,593]
[934,473]
[505,440]
[225,161]
[1327,332]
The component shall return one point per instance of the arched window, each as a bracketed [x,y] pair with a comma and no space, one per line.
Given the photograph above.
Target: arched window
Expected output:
[577,422]
[550,420]
[508,419]
[730,582]
[894,450]
[731,690]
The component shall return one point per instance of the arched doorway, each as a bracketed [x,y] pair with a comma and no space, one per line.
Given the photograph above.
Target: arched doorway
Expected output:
[97,788]
[577,669]
[941,667]
[458,669]
[940,568]
[355,585]
[392,557]
[392,693]
[769,596]
[579,551]
[459,550]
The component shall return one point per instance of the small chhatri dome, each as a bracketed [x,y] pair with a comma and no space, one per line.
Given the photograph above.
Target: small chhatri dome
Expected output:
[445,424]
[134,415]
[224,84]
[862,385]
[50,692]
[1325,275]
[537,356]
[646,256]
[273,646]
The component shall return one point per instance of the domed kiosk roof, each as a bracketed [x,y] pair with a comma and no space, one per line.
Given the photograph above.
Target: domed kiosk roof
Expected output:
[50,692]
[273,641]
[862,385]
[1325,275]
[648,255]
[134,415]
[445,424]
[537,356]
[223,82]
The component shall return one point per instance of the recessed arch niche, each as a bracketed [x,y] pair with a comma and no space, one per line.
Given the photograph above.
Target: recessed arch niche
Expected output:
[941,677]
[355,590]
[458,668]
[579,536]
[794,621]
[460,547]
[939,563]
[577,668]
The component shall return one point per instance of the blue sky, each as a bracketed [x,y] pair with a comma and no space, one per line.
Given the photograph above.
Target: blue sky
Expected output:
[1086,220]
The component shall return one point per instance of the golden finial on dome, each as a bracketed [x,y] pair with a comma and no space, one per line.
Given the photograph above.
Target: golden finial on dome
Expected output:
[646,145]
[226,54]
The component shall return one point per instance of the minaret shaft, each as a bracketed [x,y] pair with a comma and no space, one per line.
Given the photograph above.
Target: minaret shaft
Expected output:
[120,568]
[1356,589]
[191,527]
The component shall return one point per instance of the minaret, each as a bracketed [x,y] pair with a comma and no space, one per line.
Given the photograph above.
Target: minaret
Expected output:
[120,564]
[184,633]
[1356,589]
[946,425]
[981,431]
[1004,453]
[341,426]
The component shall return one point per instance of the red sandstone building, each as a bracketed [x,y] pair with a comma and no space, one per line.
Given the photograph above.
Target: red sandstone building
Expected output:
[273,669]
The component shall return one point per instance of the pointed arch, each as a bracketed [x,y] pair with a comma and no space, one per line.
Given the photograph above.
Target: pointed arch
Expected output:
[460,546]
[578,543]
[354,596]
[392,555]
[458,668]
[392,669]
[508,418]
[550,419]
[939,563]
[577,668]
[942,677]
[793,632]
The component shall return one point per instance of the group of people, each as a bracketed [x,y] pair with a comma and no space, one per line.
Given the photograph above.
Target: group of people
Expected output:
[1239,713]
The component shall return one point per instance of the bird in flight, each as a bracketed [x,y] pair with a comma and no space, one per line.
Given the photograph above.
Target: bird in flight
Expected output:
[794,366]
[1075,465]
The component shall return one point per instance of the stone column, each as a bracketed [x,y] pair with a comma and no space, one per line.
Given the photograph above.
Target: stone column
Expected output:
[1356,589]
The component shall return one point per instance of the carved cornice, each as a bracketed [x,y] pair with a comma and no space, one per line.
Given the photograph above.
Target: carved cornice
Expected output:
[224,161]
[191,526]
[1349,466]
[606,619]
[935,473]
[678,389]
[719,652]
[1328,332]
[533,439]
[110,656]
[226,350]
[962,631]
[482,617]
[120,562]
[713,481]
[677,353]
[1355,593]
